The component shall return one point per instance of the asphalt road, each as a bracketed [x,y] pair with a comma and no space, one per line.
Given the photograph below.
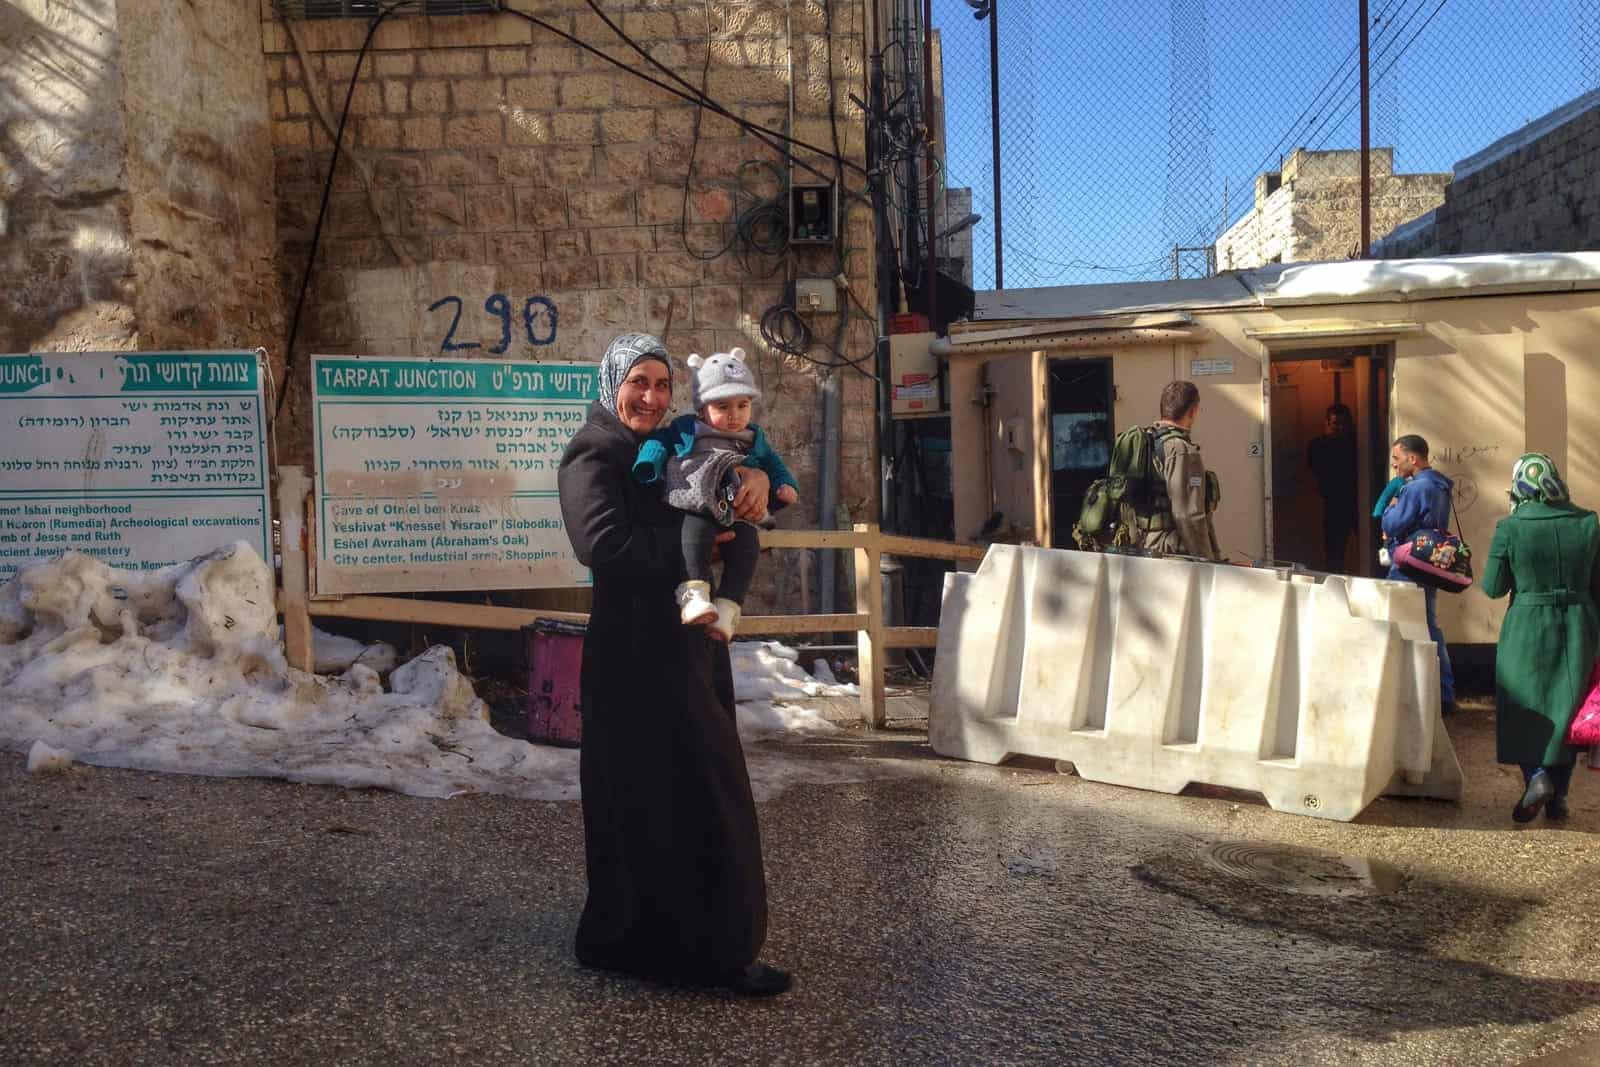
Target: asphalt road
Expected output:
[949,913]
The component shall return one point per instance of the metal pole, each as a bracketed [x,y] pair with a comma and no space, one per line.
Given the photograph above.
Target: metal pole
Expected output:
[933,179]
[994,132]
[1366,142]
[888,278]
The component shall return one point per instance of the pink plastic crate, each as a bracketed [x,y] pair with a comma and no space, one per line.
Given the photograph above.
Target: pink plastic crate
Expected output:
[555,661]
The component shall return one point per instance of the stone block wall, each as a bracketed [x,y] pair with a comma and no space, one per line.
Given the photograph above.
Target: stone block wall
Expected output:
[1265,235]
[65,246]
[1327,214]
[1315,214]
[505,194]
[1337,163]
[1531,194]
[135,178]
[199,161]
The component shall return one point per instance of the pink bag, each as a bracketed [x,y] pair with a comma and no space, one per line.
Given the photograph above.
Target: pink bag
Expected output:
[555,662]
[1584,731]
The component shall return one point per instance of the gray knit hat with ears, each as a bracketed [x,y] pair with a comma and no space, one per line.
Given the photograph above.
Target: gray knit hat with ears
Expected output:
[721,376]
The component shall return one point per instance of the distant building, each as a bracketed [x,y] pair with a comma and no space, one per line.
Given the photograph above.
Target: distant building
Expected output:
[1310,211]
[1535,190]
[955,247]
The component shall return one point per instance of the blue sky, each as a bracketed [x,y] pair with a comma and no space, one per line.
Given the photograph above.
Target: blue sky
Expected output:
[1092,192]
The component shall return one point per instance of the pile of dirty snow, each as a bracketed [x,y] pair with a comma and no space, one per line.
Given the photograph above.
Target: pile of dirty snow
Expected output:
[767,677]
[181,670]
[333,654]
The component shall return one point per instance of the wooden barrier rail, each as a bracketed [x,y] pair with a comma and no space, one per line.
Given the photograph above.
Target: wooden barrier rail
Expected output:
[873,637]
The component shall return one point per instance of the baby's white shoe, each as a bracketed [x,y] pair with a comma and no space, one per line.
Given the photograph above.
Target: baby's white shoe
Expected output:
[694,602]
[727,620]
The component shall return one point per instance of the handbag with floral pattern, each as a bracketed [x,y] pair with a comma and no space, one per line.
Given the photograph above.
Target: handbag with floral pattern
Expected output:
[1437,559]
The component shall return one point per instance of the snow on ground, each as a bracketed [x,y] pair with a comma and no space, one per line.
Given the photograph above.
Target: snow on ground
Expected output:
[335,655]
[181,670]
[766,676]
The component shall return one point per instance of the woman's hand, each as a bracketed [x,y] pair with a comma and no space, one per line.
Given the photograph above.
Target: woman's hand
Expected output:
[718,541]
[750,502]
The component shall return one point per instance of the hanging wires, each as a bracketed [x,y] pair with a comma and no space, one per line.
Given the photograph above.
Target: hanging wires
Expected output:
[327,190]
[772,138]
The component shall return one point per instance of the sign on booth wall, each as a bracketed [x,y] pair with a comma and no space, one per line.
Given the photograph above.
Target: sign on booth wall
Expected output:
[142,459]
[439,475]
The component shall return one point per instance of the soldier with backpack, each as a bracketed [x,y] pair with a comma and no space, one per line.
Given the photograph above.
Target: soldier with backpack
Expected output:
[1157,495]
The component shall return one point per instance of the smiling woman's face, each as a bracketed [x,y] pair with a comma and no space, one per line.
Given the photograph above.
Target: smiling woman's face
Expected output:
[644,396]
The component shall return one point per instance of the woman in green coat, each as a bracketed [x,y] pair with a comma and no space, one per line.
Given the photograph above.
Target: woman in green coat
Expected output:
[1543,554]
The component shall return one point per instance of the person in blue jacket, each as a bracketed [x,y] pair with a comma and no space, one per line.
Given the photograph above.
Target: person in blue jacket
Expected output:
[698,456]
[1423,503]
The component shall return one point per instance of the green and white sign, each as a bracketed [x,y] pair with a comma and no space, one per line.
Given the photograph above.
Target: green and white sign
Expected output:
[437,475]
[143,459]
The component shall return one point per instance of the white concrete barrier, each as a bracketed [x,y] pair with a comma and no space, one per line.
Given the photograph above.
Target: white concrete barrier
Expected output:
[1158,673]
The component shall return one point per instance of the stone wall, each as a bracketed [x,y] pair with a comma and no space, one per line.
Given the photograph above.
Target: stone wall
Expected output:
[1265,235]
[505,194]
[135,178]
[1536,191]
[199,162]
[1315,213]
[1327,214]
[65,250]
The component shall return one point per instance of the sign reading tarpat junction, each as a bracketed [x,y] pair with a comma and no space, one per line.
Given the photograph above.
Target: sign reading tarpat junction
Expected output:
[441,474]
[142,459]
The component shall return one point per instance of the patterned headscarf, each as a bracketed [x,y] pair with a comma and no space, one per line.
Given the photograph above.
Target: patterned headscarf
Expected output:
[621,355]
[1535,478]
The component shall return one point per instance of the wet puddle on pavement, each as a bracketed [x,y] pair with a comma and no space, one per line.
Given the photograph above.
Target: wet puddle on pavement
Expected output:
[1306,871]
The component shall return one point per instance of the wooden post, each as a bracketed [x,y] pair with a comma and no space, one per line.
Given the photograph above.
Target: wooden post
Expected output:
[869,640]
[293,486]
[1043,481]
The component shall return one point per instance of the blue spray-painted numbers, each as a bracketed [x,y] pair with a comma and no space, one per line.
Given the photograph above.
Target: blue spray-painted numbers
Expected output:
[499,305]
[538,320]
[537,308]
[450,344]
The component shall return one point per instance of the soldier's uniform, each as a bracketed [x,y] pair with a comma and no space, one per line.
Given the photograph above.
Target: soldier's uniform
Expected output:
[1182,499]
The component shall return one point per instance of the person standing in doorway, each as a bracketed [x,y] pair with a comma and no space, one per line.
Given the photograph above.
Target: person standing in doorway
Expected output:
[1184,493]
[1332,458]
[1423,503]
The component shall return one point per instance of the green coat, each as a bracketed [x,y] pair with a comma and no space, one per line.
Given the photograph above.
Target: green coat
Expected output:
[1544,556]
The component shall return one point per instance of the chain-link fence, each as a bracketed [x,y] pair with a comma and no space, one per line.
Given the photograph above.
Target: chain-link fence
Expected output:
[1132,135]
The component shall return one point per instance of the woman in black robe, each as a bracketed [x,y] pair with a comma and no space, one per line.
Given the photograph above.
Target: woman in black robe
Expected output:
[676,886]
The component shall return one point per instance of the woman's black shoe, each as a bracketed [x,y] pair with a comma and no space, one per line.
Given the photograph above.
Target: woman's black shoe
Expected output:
[1556,809]
[757,980]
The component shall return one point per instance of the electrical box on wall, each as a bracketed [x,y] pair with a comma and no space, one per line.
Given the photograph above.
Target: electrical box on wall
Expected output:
[816,296]
[913,375]
[813,213]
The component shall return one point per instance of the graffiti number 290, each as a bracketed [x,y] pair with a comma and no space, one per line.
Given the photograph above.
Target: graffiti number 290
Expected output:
[538,322]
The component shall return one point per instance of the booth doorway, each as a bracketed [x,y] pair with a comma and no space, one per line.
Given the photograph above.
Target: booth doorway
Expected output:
[1329,415]
[1080,438]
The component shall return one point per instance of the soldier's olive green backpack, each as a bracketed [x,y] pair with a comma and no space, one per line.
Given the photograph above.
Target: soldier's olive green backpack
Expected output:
[1112,505]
